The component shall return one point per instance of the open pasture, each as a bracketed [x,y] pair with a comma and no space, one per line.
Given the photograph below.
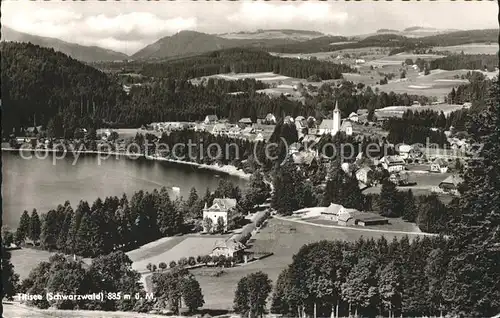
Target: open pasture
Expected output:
[173,250]
[438,83]
[284,239]
[472,48]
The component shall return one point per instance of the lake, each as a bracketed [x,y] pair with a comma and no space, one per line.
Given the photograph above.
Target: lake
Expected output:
[38,183]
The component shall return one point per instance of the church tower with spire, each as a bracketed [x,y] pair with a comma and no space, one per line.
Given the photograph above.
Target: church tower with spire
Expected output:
[336,119]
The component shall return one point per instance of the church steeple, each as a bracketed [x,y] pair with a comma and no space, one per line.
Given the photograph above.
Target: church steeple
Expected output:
[336,119]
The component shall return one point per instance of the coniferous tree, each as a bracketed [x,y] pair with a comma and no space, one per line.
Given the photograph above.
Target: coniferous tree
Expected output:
[389,200]
[24,225]
[471,287]
[35,227]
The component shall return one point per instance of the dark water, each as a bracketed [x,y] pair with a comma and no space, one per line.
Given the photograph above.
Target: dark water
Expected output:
[37,183]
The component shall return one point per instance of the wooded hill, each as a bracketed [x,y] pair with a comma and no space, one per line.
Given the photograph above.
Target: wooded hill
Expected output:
[187,43]
[37,83]
[394,41]
[76,51]
[241,60]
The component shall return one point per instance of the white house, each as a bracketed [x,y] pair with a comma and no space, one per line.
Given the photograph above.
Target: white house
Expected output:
[404,151]
[220,209]
[439,165]
[363,175]
[270,119]
[332,212]
[211,119]
[353,117]
[346,127]
[393,163]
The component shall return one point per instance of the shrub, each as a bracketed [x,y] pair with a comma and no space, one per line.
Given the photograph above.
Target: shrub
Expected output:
[162,265]
[153,268]
[172,264]
[192,261]
[183,261]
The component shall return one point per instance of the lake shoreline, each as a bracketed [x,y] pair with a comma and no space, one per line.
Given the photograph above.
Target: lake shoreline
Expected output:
[225,169]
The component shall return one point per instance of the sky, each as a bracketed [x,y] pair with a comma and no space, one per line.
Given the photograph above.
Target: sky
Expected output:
[127,26]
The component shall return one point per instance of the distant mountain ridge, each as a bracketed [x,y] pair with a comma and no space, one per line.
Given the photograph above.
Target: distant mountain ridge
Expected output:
[297,35]
[186,43]
[79,52]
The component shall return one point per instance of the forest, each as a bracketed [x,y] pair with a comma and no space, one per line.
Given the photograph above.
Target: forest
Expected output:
[37,83]
[466,61]
[239,60]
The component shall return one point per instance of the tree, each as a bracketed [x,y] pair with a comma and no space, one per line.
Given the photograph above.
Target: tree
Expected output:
[50,230]
[35,227]
[360,288]
[389,199]
[114,273]
[409,207]
[435,271]
[473,276]
[207,225]
[24,225]
[192,294]
[251,294]
[9,278]
[162,266]
[7,237]
[390,288]
[220,226]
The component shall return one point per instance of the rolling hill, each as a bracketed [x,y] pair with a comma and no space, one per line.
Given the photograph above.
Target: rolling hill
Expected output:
[186,43]
[297,35]
[76,51]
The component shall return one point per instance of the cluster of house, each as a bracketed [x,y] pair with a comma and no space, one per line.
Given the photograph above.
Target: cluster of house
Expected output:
[223,209]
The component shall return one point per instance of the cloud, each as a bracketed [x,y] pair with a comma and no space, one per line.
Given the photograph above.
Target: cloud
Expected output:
[135,25]
[127,26]
[260,14]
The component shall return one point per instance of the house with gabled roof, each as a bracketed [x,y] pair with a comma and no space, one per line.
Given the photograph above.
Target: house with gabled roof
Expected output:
[346,127]
[220,208]
[353,117]
[229,248]
[270,119]
[245,121]
[439,165]
[211,119]
[451,184]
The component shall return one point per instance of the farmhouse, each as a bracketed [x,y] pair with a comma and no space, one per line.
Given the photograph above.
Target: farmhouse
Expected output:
[245,121]
[393,163]
[219,209]
[364,175]
[353,117]
[404,151]
[229,248]
[332,212]
[346,127]
[439,165]
[211,119]
[220,129]
[270,119]
[450,184]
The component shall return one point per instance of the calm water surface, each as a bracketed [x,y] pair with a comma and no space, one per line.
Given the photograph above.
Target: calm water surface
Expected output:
[37,183]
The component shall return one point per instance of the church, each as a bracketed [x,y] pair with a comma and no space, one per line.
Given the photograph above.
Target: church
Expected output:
[333,126]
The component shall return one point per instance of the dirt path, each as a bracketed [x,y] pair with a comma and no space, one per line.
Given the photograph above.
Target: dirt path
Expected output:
[353,228]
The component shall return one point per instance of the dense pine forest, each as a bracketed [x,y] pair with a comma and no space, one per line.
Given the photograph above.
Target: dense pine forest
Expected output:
[240,60]
[466,61]
[398,42]
[38,83]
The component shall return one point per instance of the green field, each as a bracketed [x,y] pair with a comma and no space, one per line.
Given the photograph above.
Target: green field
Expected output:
[284,239]
[473,48]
